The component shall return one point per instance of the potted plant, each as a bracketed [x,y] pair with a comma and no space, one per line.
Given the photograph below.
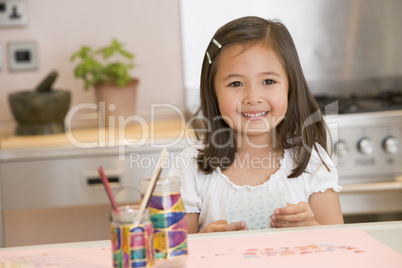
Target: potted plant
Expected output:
[107,70]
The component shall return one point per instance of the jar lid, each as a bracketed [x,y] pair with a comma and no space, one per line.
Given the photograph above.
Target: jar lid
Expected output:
[127,214]
[165,184]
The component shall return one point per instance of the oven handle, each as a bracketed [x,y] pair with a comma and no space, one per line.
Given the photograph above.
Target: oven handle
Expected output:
[371,187]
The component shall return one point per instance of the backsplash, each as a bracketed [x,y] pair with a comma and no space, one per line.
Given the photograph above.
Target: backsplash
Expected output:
[150,29]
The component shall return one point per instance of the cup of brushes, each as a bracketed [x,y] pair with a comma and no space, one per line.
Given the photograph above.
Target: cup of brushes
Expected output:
[140,237]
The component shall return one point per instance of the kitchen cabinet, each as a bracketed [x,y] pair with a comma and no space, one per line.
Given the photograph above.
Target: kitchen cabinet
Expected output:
[53,193]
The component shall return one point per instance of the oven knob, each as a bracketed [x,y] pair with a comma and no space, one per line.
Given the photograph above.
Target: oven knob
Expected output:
[366,146]
[390,145]
[341,148]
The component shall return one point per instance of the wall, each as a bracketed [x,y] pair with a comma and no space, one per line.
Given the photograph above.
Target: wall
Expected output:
[150,29]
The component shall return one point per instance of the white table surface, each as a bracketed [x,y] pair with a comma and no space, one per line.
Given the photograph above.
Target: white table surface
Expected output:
[389,233]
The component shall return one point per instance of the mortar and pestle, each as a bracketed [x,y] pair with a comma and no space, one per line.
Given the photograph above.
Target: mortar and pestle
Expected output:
[42,110]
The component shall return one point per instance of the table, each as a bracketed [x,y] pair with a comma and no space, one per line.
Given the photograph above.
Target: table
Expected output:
[388,233]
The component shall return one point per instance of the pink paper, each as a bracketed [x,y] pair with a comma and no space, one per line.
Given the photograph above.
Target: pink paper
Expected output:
[58,257]
[316,248]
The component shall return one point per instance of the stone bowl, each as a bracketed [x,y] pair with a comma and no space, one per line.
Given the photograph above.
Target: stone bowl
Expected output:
[39,113]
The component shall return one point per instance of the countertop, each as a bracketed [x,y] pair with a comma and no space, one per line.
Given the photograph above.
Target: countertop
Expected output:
[160,129]
[97,141]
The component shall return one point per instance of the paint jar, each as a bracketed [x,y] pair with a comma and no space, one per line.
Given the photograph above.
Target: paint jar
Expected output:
[168,217]
[132,244]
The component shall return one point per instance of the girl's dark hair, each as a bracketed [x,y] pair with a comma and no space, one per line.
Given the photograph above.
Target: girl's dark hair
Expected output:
[303,125]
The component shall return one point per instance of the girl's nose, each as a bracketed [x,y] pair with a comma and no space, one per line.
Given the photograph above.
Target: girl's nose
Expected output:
[252,97]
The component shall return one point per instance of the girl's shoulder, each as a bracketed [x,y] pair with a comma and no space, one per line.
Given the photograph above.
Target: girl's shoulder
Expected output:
[190,151]
[185,166]
[186,160]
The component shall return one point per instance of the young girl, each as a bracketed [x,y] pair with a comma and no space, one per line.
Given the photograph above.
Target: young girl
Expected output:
[263,131]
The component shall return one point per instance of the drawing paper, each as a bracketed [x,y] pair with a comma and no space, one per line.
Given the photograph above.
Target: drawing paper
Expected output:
[316,248]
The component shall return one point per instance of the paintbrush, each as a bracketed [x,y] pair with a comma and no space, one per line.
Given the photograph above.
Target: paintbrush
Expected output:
[151,186]
[105,182]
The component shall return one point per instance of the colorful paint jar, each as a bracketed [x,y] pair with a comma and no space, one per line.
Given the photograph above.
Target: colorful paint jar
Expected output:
[132,244]
[168,217]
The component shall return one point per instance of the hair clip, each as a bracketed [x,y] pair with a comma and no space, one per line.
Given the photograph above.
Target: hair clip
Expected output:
[216,43]
[209,59]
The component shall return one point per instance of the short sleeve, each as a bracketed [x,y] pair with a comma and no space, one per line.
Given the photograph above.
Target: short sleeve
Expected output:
[186,169]
[321,177]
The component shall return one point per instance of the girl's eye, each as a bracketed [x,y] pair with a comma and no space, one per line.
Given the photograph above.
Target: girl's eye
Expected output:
[235,84]
[268,82]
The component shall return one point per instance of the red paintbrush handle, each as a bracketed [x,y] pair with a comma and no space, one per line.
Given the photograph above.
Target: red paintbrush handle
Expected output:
[107,188]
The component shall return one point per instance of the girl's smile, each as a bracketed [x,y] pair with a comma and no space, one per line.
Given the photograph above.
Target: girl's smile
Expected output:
[251,86]
[254,115]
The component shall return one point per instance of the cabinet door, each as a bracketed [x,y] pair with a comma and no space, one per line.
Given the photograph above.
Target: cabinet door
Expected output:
[56,183]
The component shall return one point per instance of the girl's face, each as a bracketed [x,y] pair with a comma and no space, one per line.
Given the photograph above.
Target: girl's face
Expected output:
[252,88]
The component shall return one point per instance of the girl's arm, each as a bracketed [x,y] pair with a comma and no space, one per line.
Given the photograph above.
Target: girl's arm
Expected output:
[217,226]
[192,222]
[326,207]
[322,209]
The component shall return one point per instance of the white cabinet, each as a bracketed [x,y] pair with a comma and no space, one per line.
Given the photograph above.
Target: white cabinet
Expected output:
[63,185]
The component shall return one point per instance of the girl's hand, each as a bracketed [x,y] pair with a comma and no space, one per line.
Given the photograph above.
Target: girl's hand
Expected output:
[293,215]
[223,226]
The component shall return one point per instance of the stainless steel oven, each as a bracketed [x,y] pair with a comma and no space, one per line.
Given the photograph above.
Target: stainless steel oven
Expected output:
[367,149]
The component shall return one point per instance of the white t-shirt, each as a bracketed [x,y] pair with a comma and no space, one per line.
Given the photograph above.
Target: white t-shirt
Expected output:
[206,193]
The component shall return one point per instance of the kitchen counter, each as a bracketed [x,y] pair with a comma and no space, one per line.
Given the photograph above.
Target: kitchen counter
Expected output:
[87,141]
[388,233]
[160,129]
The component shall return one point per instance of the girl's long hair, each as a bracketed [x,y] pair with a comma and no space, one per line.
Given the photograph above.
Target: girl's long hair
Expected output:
[303,125]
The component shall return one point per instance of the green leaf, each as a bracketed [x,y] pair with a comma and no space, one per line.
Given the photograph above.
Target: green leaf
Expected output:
[126,54]
[110,64]
[82,53]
